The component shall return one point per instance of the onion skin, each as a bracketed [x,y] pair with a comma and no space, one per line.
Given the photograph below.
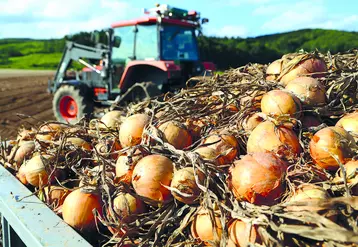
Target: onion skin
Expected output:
[54,195]
[77,210]
[126,206]
[131,130]
[258,178]
[176,134]
[274,70]
[124,169]
[194,128]
[210,154]
[184,181]
[21,175]
[225,145]
[278,102]
[268,137]
[251,122]
[36,173]
[49,131]
[331,141]
[306,67]
[108,147]
[149,176]
[350,123]
[111,120]
[203,228]
[309,90]
[352,175]
[25,151]
[239,234]
[78,142]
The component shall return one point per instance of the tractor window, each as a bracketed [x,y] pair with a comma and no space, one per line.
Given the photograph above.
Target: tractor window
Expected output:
[178,43]
[121,54]
[147,43]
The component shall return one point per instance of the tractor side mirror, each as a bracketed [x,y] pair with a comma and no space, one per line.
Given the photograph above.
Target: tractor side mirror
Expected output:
[204,20]
[117,41]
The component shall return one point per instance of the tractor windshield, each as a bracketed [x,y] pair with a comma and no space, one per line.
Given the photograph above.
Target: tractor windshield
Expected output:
[178,43]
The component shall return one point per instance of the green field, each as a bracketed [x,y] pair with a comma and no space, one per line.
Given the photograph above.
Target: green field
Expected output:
[224,52]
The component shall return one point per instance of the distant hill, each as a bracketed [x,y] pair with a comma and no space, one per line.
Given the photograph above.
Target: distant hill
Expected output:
[224,52]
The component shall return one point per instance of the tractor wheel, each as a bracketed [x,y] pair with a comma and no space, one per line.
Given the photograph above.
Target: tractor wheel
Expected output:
[70,104]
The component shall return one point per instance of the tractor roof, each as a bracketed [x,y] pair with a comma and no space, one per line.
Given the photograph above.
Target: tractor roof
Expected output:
[152,20]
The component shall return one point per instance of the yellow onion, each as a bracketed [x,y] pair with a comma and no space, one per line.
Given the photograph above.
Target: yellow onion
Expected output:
[125,166]
[185,188]
[149,176]
[274,70]
[176,134]
[131,130]
[350,123]
[21,175]
[309,121]
[54,195]
[351,168]
[210,154]
[35,170]
[225,145]
[314,67]
[50,131]
[77,210]
[309,90]
[126,206]
[331,142]
[278,102]
[111,120]
[268,137]
[251,122]
[78,142]
[24,151]
[258,178]
[240,235]
[203,228]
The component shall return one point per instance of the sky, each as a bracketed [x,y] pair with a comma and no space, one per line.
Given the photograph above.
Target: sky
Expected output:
[232,18]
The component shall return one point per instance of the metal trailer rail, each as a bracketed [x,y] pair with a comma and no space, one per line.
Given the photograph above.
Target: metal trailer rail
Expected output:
[29,222]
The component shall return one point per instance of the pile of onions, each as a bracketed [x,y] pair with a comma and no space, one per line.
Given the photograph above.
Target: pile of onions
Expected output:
[309,90]
[331,142]
[131,130]
[210,154]
[54,195]
[350,123]
[314,67]
[240,234]
[268,137]
[125,165]
[203,228]
[126,206]
[184,186]
[274,70]
[77,210]
[258,178]
[150,176]
[251,122]
[78,142]
[111,120]
[176,134]
[24,152]
[225,145]
[49,131]
[36,173]
[278,102]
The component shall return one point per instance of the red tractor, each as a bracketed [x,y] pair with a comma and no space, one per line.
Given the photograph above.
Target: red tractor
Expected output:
[160,49]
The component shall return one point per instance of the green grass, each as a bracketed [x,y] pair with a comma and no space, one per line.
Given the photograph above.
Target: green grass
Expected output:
[34,61]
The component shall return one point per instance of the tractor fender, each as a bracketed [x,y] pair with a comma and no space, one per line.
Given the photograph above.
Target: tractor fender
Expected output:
[157,72]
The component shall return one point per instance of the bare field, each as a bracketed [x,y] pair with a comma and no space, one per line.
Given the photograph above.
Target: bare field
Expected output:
[23,100]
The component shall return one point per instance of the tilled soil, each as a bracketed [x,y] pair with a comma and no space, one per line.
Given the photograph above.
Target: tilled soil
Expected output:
[23,100]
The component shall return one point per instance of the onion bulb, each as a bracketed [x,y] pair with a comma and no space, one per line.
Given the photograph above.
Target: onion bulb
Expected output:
[150,176]
[314,67]
[203,228]
[21,175]
[78,142]
[274,70]
[111,120]
[194,127]
[36,171]
[210,154]
[350,123]
[331,142]
[279,139]
[125,166]
[131,130]
[278,102]
[185,188]
[309,90]
[49,131]
[54,195]
[240,235]
[24,151]
[351,168]
[250,122]
[77,210]
[258,178]
[176,134]
[126,206]
[108,148]
[225,145]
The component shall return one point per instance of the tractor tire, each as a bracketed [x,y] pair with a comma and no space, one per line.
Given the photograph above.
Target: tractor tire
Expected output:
[70,104]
